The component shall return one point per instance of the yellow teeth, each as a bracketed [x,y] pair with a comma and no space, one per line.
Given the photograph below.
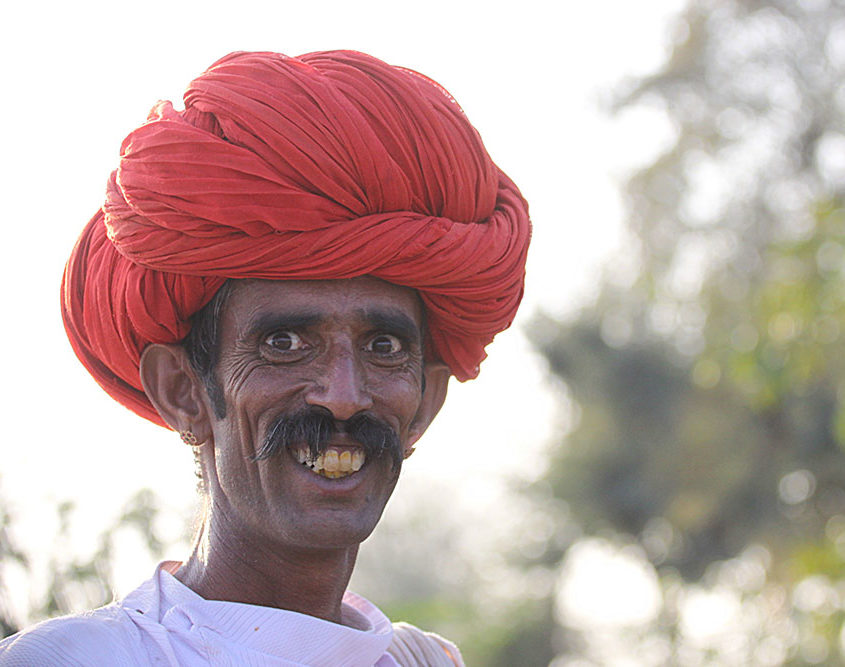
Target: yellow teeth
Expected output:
[333,463]
[344,461]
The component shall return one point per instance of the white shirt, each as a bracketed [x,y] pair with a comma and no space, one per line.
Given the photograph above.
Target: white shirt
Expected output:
[163,622]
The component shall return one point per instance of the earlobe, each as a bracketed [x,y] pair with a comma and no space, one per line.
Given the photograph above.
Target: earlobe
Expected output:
[174,389]
[436,376]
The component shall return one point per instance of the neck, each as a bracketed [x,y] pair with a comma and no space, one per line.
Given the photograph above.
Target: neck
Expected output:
[235,568]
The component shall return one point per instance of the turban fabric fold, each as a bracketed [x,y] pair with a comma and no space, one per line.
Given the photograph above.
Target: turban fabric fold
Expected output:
[327,166]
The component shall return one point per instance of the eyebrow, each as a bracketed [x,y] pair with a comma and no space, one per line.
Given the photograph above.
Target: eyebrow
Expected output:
[275,321]
[394,321]
[387,319]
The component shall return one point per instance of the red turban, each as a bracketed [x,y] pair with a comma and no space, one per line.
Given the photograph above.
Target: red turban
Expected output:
[327,166]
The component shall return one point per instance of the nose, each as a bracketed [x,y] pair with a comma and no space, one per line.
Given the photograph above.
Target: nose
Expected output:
[340,387]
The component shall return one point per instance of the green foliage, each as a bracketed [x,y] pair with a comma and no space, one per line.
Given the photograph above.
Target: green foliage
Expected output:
[650,444]
[704,440]
[484,638]
[711,388]
[10,554]
[785,338]
[74,582]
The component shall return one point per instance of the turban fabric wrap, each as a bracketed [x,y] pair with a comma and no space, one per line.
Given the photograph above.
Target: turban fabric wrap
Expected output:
[327,166]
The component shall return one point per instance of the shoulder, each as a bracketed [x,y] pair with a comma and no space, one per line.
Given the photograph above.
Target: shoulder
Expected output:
[100,637]
[412,646]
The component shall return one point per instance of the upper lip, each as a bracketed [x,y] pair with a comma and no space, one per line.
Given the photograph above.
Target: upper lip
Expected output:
[339,444]
[336,441]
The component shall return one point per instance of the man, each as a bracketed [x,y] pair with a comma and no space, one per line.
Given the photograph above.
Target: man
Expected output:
[286,273]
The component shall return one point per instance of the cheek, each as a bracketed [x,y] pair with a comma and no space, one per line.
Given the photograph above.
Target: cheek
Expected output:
[399,397]
[257,395]
[233,447]
[238,378]
[239,433]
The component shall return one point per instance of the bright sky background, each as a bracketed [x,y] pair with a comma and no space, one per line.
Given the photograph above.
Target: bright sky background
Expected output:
[79,76]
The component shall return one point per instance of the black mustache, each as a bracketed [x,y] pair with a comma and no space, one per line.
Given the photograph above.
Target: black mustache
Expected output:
[316,426]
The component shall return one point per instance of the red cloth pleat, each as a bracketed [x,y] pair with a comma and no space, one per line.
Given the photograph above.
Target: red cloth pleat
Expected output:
[327,166]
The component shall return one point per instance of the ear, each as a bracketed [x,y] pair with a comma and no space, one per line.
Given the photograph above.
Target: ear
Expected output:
[174,389]
[434,394]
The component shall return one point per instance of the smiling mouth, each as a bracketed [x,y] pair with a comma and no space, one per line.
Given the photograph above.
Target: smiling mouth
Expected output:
[333,463]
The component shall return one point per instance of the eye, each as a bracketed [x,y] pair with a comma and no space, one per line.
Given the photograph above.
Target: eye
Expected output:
[385,344]
[285,341]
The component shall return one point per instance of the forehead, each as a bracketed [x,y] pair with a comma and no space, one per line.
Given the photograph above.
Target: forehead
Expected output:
[330,300]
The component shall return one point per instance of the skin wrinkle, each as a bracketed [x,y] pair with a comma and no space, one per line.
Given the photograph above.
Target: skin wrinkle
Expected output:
[275,533]
[245,562]
[166,253]
[202,345]
[220,203]
[202,342]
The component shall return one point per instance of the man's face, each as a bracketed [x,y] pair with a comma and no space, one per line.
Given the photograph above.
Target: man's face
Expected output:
[344,349]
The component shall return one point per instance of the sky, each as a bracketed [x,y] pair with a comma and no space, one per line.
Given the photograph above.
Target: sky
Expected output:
[80,76]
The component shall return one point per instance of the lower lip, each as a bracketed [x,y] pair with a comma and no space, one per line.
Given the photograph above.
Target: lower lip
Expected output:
[338,485]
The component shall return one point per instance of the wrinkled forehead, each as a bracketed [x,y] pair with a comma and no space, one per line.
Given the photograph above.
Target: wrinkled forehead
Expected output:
[321,300]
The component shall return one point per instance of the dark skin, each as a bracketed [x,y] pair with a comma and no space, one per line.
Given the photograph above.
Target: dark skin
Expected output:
[274,533]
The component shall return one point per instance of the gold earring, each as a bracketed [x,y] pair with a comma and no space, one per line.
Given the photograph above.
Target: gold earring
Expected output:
[409,451]
[189,438]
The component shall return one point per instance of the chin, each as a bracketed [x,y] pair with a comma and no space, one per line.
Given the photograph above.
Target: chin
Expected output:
[335,537]
[331,529]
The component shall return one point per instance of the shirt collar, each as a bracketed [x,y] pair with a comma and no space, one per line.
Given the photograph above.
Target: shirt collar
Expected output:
[286,634]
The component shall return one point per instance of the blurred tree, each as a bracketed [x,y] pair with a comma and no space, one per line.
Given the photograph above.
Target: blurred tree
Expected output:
[11,556]
[710,382]
[74,582]
[421,565]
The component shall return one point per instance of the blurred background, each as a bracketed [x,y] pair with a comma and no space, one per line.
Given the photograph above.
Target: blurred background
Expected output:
[649,470]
